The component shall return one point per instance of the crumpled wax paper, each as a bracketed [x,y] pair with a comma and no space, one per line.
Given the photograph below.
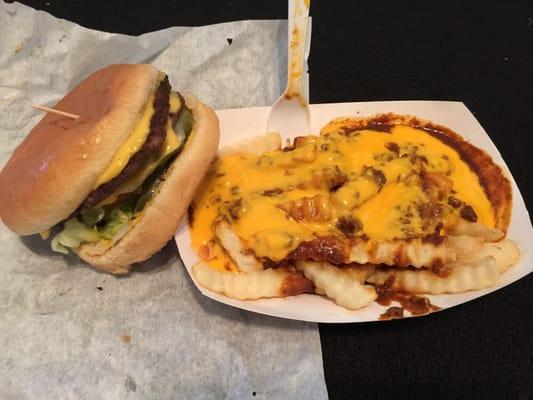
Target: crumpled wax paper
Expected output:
[69,332]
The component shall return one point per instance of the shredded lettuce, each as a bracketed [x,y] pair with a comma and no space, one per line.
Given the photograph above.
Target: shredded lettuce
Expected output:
[73,234]
[116,219]
[96,225]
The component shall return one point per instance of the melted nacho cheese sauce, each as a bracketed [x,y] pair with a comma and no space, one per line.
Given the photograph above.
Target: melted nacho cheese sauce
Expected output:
[401,184]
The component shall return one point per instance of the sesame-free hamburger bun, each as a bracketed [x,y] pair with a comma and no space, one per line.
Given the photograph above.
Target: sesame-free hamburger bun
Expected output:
[117,181]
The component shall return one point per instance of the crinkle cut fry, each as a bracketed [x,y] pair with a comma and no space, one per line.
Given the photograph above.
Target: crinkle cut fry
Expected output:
[401,253]
[229,240]
[359,274]
[467,240]
[478,267]
[472,249]
[474,229]
[279,282]
[504,252]
[474,276]
[338,285]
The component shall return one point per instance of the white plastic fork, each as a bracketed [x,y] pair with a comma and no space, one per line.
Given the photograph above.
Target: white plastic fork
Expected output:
[290,113]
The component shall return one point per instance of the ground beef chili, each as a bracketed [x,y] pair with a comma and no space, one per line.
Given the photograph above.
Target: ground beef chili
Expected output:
[154,142]
[329,249]
[392,313]
[295,284]
[468,213]
[385,293]
[416,305]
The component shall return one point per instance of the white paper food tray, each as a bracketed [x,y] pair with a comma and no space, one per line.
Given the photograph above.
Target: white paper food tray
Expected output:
[237,124]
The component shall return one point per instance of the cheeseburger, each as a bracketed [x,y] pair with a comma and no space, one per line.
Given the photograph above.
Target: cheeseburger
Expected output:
[112,185]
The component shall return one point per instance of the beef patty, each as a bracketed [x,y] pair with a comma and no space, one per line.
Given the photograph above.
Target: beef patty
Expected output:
[154,142]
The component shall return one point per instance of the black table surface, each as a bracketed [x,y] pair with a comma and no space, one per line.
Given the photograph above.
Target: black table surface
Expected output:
[478,52]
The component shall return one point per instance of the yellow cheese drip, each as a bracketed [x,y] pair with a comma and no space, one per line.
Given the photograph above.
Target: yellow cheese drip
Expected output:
[45,234]
[270,232]
[136,139]
[174,102]
[172,142]
[132,144]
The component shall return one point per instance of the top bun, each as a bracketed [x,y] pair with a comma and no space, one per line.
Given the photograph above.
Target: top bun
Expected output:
[56,166]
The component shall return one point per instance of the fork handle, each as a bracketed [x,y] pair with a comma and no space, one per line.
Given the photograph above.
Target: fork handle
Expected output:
[298,16]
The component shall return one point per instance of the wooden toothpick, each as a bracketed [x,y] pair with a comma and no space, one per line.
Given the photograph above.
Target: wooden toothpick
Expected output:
[54,111]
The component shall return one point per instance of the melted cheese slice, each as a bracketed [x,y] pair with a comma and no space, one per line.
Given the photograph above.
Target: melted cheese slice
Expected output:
[137,138]
[172,142]
[132,144]
[388,208]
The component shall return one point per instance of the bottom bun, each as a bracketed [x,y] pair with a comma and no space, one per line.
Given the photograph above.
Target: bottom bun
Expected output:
[163,214]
